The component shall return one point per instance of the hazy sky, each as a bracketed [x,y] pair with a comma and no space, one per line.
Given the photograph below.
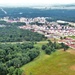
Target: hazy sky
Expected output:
[34,2]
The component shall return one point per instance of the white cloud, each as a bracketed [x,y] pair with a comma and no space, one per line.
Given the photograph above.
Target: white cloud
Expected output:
[34,2]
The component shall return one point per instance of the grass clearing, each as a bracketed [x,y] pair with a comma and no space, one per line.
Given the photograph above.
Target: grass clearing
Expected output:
[58,63]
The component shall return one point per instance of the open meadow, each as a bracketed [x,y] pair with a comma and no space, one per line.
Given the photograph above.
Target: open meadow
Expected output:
[58,63]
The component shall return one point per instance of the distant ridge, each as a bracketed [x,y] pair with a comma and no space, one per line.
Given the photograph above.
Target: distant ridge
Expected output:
[42,6]
[59,6]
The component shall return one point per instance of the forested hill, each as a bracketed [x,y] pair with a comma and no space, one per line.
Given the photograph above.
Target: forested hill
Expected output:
[12,34]
[62,14]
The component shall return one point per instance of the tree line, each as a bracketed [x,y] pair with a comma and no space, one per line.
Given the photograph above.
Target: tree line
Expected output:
[13,56]
[2,22]
[51,47]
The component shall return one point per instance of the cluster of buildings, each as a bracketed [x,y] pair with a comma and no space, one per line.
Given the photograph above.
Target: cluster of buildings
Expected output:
[23,19]
[52,29]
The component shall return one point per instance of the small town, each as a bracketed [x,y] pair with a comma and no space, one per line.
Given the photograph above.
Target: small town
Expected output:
[54,29]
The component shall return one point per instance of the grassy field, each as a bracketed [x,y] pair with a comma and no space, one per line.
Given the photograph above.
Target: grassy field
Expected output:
[72,37]
[58,63]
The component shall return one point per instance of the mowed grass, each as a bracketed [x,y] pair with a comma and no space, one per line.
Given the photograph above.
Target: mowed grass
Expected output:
[58,63]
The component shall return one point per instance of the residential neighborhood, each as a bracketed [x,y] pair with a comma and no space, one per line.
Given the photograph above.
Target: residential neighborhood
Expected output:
[54,29]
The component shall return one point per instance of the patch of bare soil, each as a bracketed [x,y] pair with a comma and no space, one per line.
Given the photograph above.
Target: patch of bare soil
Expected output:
[72,67]
[71,51]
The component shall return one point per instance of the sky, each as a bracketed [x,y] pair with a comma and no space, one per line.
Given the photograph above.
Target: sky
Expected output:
[34,2]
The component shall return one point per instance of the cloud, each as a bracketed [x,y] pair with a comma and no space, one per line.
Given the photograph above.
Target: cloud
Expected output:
[34,2]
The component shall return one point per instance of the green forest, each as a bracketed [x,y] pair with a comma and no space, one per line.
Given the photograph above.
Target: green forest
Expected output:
[13,56]
[18,35]
[12,33]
